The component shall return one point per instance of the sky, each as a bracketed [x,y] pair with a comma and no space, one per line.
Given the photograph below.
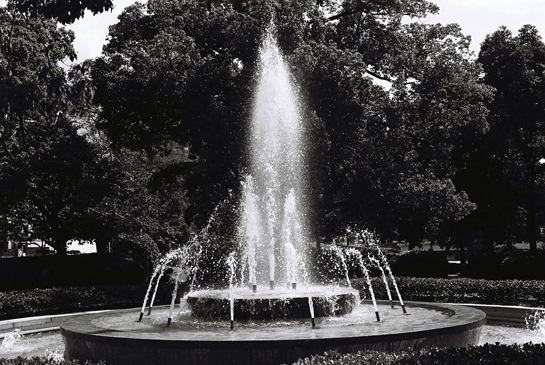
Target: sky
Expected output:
[476,17]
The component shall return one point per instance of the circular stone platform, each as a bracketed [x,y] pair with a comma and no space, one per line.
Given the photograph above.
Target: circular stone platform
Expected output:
[118,338]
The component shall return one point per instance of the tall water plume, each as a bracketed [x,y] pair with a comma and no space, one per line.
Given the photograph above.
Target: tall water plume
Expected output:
[272,224]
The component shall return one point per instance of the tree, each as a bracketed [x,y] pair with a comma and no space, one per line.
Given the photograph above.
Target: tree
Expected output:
[183,71]
[50,176]
[53,189]
[514,66]
[63,11]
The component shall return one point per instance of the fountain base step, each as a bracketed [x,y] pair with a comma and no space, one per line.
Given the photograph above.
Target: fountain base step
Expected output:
[118,339]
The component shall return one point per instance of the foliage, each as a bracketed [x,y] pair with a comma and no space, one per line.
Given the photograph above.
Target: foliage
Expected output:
[45,360]
[50,175]
[15,304]
[486,354]
[25,303]
[184,71]
[462,290]
[514,66]
[63,11]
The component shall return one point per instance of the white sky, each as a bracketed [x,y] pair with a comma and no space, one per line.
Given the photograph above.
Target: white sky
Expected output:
[476,17]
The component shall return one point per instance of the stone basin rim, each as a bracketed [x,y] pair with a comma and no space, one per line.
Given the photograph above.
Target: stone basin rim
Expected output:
[466,319]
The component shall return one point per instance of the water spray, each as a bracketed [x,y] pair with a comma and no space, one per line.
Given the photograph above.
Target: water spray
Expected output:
[231,263]
[385,263]
[384,278]
[359,256]
[340,254]
[311,307]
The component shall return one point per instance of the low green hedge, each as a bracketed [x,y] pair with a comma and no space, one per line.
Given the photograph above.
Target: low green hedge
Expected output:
[26,303]
[43,360]
[461,290]
[526,354]
[16,304]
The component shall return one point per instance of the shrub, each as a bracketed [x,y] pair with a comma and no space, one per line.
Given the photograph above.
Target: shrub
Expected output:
[44,360]
[526,354]
[461,290]
[15,304]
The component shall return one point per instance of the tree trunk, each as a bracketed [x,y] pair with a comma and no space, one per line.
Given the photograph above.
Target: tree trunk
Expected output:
[102,245]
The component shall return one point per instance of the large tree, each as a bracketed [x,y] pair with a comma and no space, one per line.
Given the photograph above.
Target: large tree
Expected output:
[515,67]
[51,177]
[183,71]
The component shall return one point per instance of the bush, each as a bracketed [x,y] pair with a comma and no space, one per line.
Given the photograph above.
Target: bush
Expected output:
[16,304]
[507,262]
[424,264]
[461,290]
[44,360]
[527,354]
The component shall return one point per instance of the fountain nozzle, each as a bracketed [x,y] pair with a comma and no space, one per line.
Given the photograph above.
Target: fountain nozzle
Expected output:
[232,325]
[294,286]
[254,288]
[141,315]
[272,284]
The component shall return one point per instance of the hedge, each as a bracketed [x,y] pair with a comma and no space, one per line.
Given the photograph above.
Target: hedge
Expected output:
[461,290]
[16,304]
[44,360]
[526,354]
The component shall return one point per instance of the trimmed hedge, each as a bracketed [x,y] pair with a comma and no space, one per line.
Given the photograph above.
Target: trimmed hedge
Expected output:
[526,354]
[461,290]
[44,360]
[16,304]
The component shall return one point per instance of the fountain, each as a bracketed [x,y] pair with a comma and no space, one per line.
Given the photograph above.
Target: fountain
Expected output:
[271,313]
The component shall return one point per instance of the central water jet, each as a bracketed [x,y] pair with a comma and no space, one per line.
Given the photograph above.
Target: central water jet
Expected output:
[272,224]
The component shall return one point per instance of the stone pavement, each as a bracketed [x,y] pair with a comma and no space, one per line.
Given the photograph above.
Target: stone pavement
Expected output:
[45,323]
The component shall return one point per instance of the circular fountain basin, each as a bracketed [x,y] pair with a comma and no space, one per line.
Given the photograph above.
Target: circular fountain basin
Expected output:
[118,338]
[273,304]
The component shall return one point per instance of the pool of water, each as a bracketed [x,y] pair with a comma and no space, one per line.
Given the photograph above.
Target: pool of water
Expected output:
[51,343]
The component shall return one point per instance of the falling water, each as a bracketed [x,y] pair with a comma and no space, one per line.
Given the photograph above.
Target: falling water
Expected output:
[359,257]
[272,225]
[155,272]
[387,266]
[231,263]
[161,273]
[311,307]
[340,254]
[384,278]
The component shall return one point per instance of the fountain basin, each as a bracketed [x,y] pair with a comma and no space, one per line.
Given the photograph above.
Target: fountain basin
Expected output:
[118,338]
[273,304]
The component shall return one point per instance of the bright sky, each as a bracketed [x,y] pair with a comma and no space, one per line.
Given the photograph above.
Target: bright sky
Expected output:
[476,17]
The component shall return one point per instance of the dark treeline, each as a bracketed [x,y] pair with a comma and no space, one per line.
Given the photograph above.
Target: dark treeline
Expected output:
[136,149]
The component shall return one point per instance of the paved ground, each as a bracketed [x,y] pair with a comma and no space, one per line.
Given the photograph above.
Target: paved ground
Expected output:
[40,323]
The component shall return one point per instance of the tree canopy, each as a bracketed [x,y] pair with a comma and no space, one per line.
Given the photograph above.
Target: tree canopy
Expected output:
[138,147]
